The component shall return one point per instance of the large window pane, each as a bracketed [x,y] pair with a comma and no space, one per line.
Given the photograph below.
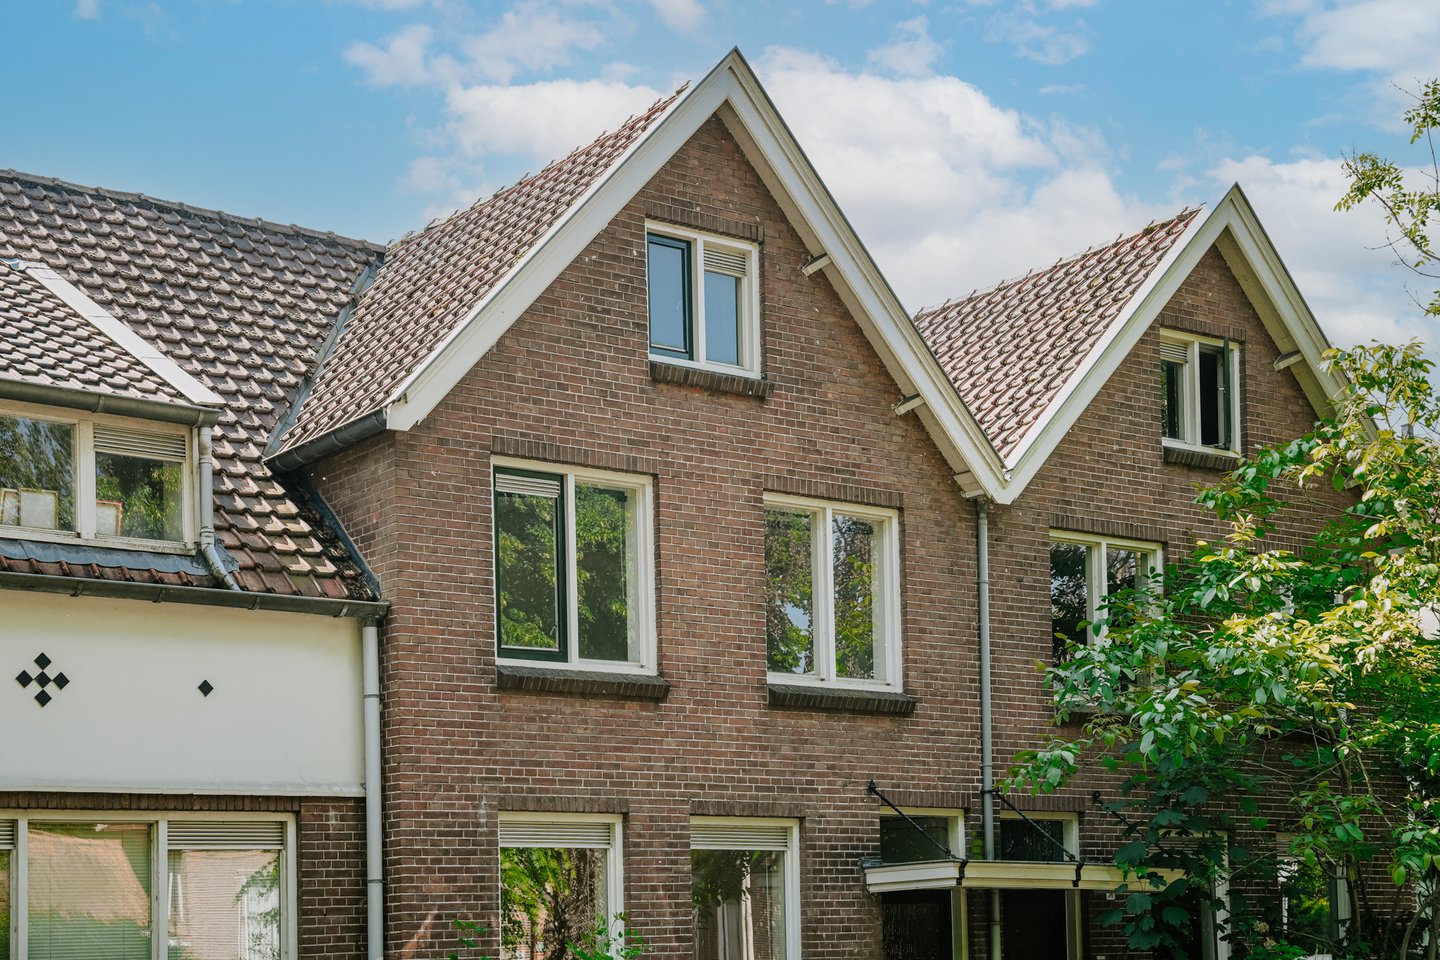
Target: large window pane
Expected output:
[550,897]
[1211,399]
[853,552]
[1036,841]
[37,474]
[739,898]
[89,891]
[722,318]
[789,626]
[901,842]
[136,497]
[669,283]
[1172,404]
[606,569]
[1069,563]
[224,905]
[528,584]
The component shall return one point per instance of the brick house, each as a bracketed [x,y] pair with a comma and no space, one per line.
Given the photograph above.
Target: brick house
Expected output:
[680,520]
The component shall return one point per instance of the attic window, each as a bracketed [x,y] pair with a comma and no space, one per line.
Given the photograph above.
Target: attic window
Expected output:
[707,317]
[1199,403]
[95,478]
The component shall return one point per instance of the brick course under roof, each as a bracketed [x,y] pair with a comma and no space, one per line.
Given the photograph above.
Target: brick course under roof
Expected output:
[242,305]
[431,281]
[1010,350]
[48,342]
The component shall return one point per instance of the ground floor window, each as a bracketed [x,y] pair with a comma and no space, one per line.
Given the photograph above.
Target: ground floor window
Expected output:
[78,888]
[560,884]
[745,886]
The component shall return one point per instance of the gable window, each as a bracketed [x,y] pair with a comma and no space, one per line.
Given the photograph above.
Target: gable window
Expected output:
[1199,403]
[77,885]
[1085,572]
[573,568]
[560,879]
[832,608]
[745,887]
[93,477]
[703,299]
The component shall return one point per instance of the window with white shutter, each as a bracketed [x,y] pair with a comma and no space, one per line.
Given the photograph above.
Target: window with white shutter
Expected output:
[703,299]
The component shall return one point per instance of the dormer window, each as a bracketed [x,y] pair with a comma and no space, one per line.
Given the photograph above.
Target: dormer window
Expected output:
[703,300]
[96,478]
[1200,406]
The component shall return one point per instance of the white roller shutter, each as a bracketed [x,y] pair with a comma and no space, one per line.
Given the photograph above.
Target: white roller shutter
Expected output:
[7,834]
[138,443]
[225,835]
[717,834]
[594,834]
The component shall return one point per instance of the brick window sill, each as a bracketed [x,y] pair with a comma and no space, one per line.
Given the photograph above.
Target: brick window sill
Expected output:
[620,686]
[1223,462]
[802,697]
[662,372]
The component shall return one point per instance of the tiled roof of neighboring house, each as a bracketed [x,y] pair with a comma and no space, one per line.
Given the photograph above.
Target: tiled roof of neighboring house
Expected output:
[243,306]
[49,342]
[1010,350]
[430,282]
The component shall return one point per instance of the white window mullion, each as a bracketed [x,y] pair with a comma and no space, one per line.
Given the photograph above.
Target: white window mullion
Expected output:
[697,297]
[1095,587]
[19,903]
[85,479]
[572,583]
[1192,395]
[160,884]
[289,872]
[822,589]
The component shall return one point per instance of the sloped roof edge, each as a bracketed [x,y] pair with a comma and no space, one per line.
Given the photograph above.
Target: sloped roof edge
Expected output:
[976,465]
[1235,229]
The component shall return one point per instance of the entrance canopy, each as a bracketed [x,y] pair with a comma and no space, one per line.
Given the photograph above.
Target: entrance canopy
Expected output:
[999,875]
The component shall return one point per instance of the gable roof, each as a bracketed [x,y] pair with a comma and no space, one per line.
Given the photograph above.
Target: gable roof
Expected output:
[1010,350]
[1086,314]
[416,343]
[239,305]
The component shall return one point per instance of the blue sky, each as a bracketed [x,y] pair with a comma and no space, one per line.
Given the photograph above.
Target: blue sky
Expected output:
[968,141]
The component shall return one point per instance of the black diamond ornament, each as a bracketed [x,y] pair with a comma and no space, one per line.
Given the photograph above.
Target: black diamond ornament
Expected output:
[43,679]
[205,688]
[61,681]
[24,679]
[42,661]
[42,698]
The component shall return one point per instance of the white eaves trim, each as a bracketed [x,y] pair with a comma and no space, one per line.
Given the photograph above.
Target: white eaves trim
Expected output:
[731,85]
[1235,227]
[121,333]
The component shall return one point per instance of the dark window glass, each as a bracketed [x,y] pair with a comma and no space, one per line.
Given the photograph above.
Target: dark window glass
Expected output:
[1069,608]
[137,497]
[1172,403]
[551,899]
[900,842]
[1036,841]
[722,318]
[1212,398]
[1306,892]
[605,575]
[789,585]
[669,279]
[1125,570]
[528,547]
[37,474]
[853,553]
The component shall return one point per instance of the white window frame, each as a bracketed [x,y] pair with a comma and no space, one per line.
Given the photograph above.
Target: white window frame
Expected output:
[888,659]
[159,867]
[1190,392]
[955,839]
[1095,587]
[1074,934]
[643,489]
[748,302]
[791,865]
[83,482]
[614,852]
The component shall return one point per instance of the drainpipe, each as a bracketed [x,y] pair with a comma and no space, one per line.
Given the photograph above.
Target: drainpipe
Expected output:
[987,744]
[374,861]
[207,513]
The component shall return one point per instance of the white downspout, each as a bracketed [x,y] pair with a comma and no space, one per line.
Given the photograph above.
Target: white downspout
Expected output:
[374,860]
[987,744]
[207,512]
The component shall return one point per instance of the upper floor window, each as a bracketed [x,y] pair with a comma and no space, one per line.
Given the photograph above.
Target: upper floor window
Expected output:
[573,568]
[94,477]
[1200,406]
[1085,573]
[703,299]
[832,608]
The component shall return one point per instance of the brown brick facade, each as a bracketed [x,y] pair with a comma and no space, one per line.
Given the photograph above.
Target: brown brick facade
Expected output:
[572,382]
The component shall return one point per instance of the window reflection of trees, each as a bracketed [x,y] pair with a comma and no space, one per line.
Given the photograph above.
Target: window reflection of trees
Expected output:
[36,455]
[549,898]
[739,904]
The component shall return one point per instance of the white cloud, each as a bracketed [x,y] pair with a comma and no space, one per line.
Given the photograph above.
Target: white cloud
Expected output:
[401,62]
[682,15]
[87,9]
[912,52]
[531,36]
[541,121]
[1355,289]
[1022,28]
[949,190]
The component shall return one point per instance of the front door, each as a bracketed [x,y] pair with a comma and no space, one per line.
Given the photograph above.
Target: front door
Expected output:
[1033,925]
[917,925]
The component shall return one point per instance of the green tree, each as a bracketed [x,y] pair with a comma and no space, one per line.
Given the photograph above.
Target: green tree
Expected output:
[1259,675]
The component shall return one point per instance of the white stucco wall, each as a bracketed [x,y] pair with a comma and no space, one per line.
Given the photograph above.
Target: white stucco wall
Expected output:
[284,716]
